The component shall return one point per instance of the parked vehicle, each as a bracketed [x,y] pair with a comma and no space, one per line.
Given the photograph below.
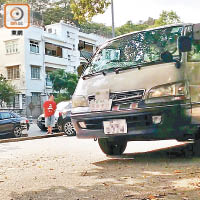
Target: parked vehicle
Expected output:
[64,121]
[141,86]
[60,107]
[13,124]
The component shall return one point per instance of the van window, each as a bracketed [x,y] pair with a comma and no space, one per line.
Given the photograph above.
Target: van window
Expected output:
[135,49]
[194,55]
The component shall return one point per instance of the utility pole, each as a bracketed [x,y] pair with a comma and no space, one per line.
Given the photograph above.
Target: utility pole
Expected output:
[113,22]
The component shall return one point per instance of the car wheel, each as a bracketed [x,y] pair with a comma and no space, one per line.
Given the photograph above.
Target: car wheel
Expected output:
[69,129]
[17,132]
[112,147]
[60,128]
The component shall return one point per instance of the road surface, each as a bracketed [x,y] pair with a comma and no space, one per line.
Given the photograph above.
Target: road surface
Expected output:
[65,168]
[35,130]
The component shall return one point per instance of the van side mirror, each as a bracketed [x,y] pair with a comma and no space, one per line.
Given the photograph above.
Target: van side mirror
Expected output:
[184,44]
[196,31]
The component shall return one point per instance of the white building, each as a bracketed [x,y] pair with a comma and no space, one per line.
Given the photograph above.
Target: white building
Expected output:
[27,57]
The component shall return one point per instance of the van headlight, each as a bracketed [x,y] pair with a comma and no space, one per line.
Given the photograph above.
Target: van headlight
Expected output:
[79,101]
[175,91]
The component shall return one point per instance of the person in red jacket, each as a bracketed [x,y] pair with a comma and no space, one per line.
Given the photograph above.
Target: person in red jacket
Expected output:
[49,110]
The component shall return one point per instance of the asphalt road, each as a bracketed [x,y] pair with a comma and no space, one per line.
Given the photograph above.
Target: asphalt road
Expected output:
[65,168]
[35,130]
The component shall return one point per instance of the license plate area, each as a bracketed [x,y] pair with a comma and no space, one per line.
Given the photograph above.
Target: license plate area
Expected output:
[116,126]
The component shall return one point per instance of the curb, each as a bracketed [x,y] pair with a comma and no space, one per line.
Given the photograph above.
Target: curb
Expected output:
[30,138]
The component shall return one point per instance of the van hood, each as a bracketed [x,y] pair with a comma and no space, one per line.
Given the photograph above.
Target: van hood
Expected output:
[132,79]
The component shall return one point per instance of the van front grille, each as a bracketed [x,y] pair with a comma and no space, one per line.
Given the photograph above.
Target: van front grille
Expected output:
[124,97]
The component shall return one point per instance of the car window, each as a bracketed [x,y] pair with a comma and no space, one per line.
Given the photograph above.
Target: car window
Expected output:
[15,115]
[5,115]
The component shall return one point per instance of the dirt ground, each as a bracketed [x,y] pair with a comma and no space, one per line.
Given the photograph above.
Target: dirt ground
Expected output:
[58,172]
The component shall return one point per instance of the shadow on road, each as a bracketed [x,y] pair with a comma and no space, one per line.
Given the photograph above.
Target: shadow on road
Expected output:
[169,155]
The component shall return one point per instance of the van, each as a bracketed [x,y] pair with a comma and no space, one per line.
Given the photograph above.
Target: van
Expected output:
[143,85]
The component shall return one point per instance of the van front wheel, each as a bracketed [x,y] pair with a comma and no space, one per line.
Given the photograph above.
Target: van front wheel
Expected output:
[112,147]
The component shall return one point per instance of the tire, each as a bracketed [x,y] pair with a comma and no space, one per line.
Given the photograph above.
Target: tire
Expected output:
[196,148]
[68,128]
[60,128]
[17,132]
[112,147]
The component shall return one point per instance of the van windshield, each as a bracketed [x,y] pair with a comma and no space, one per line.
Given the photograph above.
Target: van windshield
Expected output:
[137,49]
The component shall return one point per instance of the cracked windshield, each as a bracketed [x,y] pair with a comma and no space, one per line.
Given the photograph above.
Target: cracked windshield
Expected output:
[141,48]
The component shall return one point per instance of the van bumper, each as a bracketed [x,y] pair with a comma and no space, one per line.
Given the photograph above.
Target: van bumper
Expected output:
[140,123]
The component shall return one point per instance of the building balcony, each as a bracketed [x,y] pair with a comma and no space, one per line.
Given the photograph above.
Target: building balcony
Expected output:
[56,60]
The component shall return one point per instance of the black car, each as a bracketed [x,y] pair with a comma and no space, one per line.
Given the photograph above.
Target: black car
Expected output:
[64,121]
[12,124]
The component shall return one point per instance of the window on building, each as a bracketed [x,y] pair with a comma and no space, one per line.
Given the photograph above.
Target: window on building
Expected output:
[53,50]
[49,83]
[14,102]
[34,46]
[74,47]
[35,72]
[74,69]
[36,97]
[13,72]
[11,47]
[35,94]
[68,34]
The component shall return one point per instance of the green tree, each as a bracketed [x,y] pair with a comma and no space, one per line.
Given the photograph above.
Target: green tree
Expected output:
[62,10]
[130,27]
[167,17]
[84,10]
[7,91]
[98,28]
[64,81]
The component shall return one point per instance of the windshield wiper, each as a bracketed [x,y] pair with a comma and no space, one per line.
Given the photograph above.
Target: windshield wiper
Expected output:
[118,69]
[105,71]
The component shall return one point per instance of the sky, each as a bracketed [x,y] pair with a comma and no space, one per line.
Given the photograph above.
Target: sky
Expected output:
[135,10]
